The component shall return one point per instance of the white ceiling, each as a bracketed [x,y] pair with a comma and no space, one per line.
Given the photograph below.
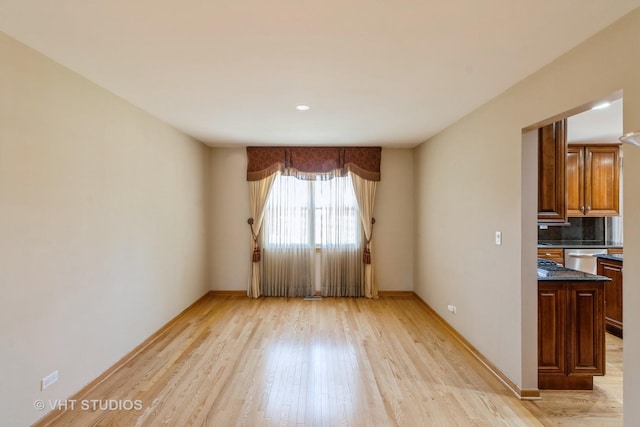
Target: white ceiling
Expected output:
[601,125]
[391,73]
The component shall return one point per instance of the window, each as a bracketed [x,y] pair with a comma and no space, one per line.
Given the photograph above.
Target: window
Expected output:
[321,213]
[337,219]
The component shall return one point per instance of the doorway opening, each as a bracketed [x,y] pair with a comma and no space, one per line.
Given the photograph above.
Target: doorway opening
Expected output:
[594,124]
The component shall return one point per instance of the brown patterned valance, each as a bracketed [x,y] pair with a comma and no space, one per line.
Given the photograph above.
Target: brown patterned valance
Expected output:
[264,162]
[308,161]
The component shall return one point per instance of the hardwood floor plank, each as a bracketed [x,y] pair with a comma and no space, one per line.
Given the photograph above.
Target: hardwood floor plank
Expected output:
[235,361]
[601,407]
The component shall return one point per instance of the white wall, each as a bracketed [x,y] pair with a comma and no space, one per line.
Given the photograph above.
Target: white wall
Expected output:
[469,182]
[394,213]
[467,188]
[230,241]
[102,229]
[230,238]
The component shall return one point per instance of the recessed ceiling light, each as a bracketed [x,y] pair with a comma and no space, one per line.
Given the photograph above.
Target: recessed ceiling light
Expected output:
[601,106]
[302,107]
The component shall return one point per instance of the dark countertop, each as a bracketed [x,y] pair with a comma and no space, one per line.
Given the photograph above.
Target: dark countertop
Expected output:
[585,244]
[611,257]
[559,273]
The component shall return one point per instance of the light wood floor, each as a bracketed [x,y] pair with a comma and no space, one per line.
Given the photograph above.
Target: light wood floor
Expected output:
[598,408]
[275,361]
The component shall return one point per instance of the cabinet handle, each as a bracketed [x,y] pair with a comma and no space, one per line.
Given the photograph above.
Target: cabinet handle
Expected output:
[582,209]
[548,254]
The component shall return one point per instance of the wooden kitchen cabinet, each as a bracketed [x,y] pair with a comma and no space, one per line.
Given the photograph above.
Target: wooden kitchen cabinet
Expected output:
[593,180]
[612,294]
[553,254]
[571,345]
[552,192]
[585,329]
[551,319]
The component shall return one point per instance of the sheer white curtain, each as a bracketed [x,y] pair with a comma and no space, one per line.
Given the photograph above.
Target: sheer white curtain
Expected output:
[288,244]
[365,191]
[338,233]
[258,193]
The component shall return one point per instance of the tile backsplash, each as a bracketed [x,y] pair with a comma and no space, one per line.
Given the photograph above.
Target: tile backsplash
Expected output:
[588,228]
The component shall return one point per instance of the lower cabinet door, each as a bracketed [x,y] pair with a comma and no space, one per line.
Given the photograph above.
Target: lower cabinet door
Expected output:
[585,330]
[612,295]
[551,328]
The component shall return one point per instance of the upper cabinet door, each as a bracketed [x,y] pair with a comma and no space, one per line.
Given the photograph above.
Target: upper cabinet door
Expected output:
[575,181]
[602,180]
[552,192]
[593,180]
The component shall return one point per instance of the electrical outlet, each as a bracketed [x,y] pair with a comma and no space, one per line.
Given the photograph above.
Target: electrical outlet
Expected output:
[498,238]
[48,380]
[452,308]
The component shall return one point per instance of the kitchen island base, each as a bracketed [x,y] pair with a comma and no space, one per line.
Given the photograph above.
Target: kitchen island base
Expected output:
[571,333]
[563,382]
